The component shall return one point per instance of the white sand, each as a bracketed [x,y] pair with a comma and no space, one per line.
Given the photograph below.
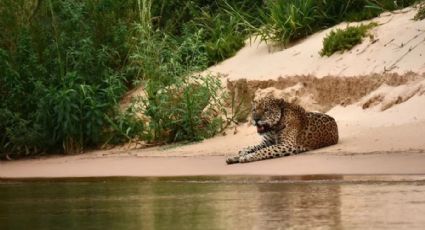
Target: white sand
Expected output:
[306,164]
[382,133]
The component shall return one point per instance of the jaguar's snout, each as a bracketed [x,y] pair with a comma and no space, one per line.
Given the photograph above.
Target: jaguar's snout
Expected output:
[256,120]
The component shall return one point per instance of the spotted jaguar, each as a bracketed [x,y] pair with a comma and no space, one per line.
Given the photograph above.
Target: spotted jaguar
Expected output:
[286,129]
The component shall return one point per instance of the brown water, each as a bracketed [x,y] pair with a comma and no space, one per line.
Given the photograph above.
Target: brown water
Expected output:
[215,203]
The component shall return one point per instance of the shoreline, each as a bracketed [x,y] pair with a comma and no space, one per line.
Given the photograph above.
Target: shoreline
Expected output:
[314,164]
[368,145]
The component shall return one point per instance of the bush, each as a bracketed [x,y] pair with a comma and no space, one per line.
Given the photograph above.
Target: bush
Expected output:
[189,109]
[340,40]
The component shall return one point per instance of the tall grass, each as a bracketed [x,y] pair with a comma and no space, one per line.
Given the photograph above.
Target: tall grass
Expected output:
[287,21]
[222,32]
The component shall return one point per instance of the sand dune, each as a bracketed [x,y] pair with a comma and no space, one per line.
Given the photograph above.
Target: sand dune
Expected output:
[397,46]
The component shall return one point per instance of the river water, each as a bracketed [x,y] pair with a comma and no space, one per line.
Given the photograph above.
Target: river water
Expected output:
[215,203]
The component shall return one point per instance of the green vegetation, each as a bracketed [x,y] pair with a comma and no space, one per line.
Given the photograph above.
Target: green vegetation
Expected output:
[65,65]
[340,40]
[420,15]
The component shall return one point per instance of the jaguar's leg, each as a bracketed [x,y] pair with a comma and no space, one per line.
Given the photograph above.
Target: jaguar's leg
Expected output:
[272,151]
[232,160]
[246,151]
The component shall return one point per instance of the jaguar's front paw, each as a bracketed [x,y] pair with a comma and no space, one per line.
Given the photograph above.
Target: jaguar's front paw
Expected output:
[245,159]
[249,158]
[232,160]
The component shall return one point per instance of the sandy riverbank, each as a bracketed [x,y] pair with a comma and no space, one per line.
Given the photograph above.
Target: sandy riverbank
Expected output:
[307,164]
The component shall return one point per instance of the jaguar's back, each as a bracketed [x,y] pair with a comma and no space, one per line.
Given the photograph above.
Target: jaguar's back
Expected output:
[319,130]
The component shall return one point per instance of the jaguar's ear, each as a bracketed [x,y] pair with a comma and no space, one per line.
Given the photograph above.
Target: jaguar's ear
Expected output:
[279,101]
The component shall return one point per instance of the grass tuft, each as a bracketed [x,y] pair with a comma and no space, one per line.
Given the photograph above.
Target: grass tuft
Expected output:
[344,39]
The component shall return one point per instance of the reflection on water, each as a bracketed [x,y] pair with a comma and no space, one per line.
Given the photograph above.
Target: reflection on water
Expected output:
[212,203]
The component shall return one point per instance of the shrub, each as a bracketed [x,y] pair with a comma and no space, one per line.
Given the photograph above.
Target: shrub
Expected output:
[189,109]
[340,40]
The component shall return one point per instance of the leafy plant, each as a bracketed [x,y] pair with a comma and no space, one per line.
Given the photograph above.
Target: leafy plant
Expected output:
[188,110]
[344,39]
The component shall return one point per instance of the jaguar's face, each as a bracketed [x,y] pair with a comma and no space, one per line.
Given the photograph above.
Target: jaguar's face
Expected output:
[266,113]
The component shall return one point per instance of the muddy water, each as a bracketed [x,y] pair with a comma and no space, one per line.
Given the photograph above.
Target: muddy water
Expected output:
[215,203]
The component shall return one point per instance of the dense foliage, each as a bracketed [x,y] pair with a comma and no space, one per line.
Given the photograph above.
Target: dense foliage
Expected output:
[63,73]
[66,64]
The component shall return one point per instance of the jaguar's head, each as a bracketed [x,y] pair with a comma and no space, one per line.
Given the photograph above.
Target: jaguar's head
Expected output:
[266,113]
